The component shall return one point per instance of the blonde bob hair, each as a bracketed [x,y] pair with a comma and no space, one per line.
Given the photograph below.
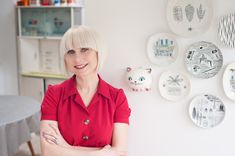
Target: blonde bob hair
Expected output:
[83,37]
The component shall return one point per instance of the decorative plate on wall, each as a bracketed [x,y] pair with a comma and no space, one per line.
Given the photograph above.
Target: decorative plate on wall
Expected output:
[229,81]
[206,111]
[189,17]
[226,30]
[174,86]
[162,49]
[203,59]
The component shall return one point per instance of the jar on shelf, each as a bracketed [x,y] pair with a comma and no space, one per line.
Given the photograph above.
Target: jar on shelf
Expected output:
[34,2]
[45,2]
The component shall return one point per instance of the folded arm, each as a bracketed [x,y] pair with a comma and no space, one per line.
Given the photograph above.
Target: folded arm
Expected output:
[53,143]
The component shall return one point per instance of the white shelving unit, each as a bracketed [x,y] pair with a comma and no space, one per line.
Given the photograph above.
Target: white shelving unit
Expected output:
[40,29]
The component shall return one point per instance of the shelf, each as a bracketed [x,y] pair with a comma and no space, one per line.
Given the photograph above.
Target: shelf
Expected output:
[52,6]
[44,75]
[41,37]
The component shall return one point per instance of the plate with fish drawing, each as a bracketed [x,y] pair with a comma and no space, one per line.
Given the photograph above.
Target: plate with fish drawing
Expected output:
[229,81]
[203,59]
[174,86]
[162,49]
[226,30]
[189,18]
[206,111]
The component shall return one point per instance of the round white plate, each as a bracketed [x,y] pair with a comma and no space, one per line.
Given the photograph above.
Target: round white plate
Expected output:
[229,81]
[162,49]
[206,111]
[203,59]
[174,86]
[189,17]
[226,30]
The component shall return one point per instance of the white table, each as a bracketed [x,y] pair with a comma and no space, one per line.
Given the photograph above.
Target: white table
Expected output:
[19,117]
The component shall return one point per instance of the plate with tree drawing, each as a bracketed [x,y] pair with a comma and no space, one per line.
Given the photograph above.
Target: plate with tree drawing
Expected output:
[188,18]
[174,86]
[162,49]
[206,111]
[229,81]
[203,59]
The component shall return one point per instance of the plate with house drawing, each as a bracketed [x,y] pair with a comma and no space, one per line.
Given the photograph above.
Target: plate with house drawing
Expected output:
[174,86]
[189,17]
[162,49]
[229,81]
[203,59]
[226,30]
[206,111]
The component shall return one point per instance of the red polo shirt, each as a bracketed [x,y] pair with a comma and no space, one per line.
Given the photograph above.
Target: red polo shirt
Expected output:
[90,126]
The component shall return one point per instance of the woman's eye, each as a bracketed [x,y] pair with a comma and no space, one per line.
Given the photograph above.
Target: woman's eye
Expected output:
[71,52]
[84,49]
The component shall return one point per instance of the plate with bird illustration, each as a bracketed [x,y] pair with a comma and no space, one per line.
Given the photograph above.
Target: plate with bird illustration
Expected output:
[174,86]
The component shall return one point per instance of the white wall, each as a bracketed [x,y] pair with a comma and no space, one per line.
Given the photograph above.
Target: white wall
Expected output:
[8,64]
[159,127]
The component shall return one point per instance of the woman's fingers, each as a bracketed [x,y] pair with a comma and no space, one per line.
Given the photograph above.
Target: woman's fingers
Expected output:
[53,141]
[55,129]
[48,136]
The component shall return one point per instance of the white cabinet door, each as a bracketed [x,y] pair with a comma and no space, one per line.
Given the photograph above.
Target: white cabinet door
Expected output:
[32,87]
[29,55]
[53,82]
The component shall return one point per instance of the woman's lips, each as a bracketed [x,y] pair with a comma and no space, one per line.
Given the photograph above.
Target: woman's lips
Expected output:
[80,66]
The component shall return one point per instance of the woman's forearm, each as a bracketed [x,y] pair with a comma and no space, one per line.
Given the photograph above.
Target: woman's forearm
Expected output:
[56,150]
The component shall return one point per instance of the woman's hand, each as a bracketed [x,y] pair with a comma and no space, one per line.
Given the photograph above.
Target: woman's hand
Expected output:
[53,136]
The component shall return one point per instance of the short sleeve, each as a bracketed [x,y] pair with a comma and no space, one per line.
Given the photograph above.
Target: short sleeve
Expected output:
[49,105]
[122,112]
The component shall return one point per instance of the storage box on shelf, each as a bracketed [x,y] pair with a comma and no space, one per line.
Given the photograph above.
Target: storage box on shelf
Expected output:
[40,29]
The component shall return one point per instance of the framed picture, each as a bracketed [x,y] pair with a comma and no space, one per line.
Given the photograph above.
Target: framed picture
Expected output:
[206,111]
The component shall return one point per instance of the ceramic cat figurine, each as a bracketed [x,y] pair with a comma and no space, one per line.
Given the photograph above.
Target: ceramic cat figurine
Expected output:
[139,79]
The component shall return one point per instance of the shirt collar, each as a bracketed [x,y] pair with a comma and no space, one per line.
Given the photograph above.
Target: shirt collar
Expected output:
[70,88]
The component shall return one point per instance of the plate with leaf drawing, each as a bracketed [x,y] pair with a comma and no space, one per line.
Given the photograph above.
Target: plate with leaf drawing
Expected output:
[229,81]
[226,30]
[191,17]
[206,111]
[162,49]
[203,59]
[174,86]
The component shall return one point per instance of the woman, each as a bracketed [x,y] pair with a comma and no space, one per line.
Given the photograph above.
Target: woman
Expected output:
[84,115]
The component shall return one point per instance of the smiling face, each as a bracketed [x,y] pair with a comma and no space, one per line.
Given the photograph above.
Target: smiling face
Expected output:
[81,61]
[83,41]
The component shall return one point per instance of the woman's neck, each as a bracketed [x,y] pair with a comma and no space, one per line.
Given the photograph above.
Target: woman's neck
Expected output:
[87,83]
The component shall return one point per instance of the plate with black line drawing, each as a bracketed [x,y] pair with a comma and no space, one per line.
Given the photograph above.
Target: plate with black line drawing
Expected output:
[189,17]
[203,59]
[229,81]
[206,111]
[174,86]
[162,49]
[226,30]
